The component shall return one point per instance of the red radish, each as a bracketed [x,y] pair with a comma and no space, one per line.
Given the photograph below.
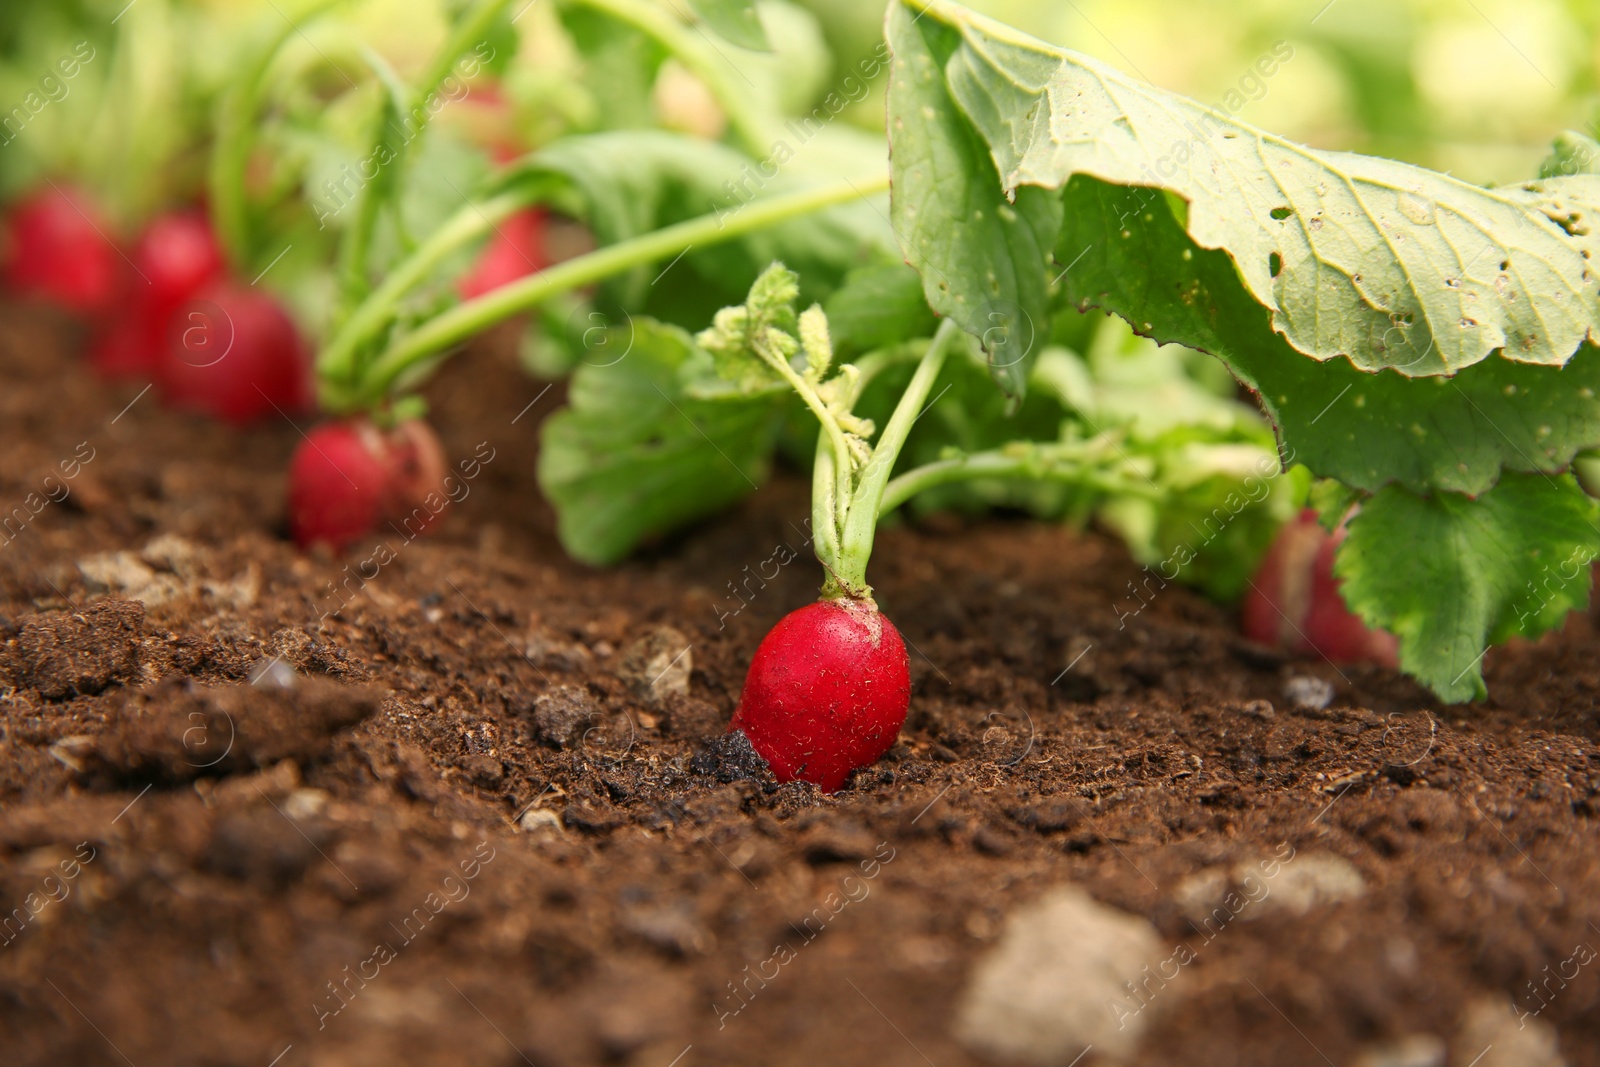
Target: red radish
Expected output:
[177,256]
[56,247]
[827,692]
[1295,602]
[417,472]
[487,119]
[830,685]
[515,251]
[349,477]
[233,352]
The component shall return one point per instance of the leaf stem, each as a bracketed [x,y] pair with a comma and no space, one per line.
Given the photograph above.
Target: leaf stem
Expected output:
[390,144]
[861,518]
[1003,463]
[236,133]
[830,427]
[337,363]
[474,316]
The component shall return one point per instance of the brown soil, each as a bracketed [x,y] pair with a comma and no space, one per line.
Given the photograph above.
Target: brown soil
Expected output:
[222,852]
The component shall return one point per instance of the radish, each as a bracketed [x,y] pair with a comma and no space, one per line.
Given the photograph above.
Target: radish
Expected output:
[234,353]
[56,248]
[349,477]
[177,256]
[827,692]
[830,685]
[516,250]
[1294,602]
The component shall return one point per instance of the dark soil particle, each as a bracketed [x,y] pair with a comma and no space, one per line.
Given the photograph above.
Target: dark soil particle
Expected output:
[486,812]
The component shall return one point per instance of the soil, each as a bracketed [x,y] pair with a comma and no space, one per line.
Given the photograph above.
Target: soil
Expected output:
[479,813]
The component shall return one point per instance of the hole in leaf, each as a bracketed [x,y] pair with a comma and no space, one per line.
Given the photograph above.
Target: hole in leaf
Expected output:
[1275,264]
[1281,213]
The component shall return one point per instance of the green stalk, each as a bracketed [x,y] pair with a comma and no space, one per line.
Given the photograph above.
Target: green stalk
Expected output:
[236,130]
[700,60]
[1005,464]
[848,575]
[338,359]
[357,243]
[825,505]
[464,320]
[830,427]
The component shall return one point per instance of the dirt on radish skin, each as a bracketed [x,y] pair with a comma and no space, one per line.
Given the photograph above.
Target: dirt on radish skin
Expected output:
[827,692]
[626,891]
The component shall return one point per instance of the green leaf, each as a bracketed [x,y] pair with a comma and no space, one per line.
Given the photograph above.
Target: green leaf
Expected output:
[1450,575]
[619,70]
[1387,264]
[1129,255]
[624,184]
[1333,500]
[1572,153]
[635,454]
[877,306]
[733,20]
[982,256]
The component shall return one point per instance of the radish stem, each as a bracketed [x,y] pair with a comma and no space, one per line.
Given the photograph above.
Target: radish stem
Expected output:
[357,242]
[1040,463]
[236,130]
[338,361]
[474,316]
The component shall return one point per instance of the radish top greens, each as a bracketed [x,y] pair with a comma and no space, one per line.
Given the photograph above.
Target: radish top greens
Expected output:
[1412,336]
[1423,349]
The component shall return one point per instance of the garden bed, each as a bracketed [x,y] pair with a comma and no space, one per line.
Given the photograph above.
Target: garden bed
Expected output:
[507,741]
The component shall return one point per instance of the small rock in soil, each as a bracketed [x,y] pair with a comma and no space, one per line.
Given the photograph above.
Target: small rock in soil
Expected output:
[1493,1034]
[1267,886]
[1041,995]
[179,731]
[1315,880]
[657,665]
[80,653]
[547,651]
[562,715]
[1305,691]
[672,928]
[1413,1050]
[125,574]
[535,820]
[729,758]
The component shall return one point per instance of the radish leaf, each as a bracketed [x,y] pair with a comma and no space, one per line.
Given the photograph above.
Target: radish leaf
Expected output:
[735,21]
[1131,256]
[1387,264]
[635,454]
[1450,575]
[626,184]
